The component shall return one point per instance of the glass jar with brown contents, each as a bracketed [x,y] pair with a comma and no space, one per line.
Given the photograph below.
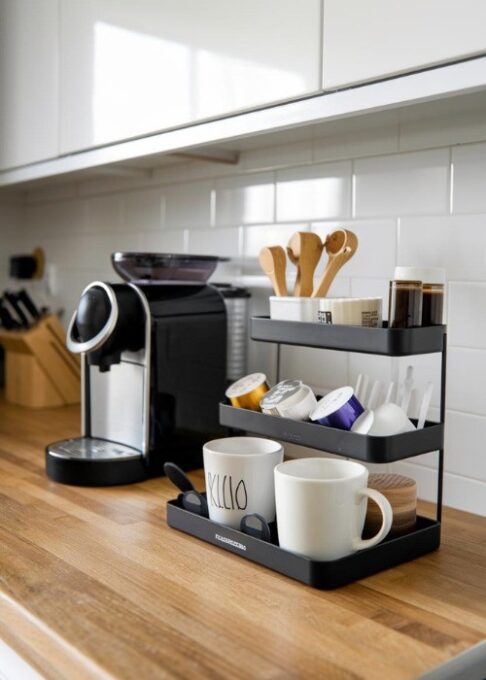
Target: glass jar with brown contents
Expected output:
[433,289]
[405,304]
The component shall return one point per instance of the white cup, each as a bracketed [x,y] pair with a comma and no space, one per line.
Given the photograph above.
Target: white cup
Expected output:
[321,507]
[351,311]
[239,478]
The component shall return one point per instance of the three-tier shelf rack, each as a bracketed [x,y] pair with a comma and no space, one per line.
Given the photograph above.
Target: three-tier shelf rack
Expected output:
[394,550]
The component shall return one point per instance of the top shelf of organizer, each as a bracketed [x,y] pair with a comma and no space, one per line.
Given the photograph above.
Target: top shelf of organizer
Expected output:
[394,342]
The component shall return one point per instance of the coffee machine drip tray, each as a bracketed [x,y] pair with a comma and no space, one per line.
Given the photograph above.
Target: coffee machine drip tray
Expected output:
[88,461]
[90,448]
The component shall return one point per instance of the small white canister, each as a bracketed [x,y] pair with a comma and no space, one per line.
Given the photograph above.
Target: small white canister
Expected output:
[351,311]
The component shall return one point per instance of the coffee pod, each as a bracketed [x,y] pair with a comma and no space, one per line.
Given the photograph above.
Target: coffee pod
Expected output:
[390,419]
[340,408]
[289,399]
[402,494]
[247,392]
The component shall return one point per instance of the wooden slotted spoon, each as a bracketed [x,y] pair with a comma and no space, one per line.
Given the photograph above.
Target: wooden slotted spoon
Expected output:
[304,250]
[340,246]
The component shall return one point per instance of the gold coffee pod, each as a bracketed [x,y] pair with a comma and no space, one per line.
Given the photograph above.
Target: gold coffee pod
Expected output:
[247,392]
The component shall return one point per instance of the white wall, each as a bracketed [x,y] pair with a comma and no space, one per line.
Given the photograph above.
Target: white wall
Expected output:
[414,194]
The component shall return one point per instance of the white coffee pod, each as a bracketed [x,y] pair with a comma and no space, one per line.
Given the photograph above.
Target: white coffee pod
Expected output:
[289,399]
[390,419]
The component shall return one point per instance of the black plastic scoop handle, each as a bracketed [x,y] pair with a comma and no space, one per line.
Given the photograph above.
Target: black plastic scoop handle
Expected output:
[178,477]
[192,500]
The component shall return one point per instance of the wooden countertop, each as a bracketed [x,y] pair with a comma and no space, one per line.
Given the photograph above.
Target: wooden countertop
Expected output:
[94,584]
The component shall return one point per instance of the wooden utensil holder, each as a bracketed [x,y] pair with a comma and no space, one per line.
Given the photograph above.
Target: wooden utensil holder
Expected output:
[40,372]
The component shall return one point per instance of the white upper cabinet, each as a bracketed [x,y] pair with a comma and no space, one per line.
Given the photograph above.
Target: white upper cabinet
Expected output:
[132,68]
[28,81]
[370,39]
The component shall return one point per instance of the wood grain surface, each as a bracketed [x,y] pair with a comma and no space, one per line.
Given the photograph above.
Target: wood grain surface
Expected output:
[93,584]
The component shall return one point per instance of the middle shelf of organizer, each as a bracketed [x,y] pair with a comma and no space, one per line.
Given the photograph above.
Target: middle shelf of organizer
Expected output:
[368,448]
[386,341]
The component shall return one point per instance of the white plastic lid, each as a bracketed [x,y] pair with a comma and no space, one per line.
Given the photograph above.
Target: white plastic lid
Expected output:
[424,274]
[283,391]
[245,385]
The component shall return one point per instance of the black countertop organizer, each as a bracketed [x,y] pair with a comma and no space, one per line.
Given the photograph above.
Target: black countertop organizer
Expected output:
[394,550]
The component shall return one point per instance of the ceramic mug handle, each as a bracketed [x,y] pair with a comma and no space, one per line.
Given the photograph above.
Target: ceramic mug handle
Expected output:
[387,513]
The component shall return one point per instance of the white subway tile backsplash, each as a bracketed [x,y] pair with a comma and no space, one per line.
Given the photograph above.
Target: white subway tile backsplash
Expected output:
[444,130]
[188,205]
[467,315]
[105,213]
[281,156]
[402,184]
[224,242]
[466,380]
[456,243]
[321,369]
[376,253]
[368,141]
[164,241]
[245,200]
[48,219]
[143,210]
[257,237]
[316,192]
[469,163]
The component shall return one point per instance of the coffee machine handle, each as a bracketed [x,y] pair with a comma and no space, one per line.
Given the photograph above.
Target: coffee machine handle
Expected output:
[92,344]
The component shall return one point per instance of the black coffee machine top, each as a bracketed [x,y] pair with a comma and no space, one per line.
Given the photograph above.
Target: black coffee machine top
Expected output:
[160,268]
[153,373]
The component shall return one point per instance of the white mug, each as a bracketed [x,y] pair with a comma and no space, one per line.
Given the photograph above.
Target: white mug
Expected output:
[239,478]
[321,507]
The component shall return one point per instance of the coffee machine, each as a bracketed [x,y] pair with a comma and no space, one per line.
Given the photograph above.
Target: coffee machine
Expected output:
[153,370]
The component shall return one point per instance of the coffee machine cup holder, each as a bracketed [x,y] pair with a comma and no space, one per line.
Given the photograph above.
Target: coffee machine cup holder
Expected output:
[78,347]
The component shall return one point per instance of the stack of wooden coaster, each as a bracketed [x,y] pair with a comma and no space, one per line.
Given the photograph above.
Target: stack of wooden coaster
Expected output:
[402,493]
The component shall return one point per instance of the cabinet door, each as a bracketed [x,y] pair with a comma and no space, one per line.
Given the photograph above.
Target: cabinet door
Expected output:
[131,68]
[370,39]
[28,81]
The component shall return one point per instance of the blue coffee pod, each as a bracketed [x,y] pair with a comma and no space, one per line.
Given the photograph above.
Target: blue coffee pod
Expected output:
[340,408]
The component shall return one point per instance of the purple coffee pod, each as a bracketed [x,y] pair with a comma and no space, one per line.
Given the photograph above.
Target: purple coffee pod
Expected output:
[340,408]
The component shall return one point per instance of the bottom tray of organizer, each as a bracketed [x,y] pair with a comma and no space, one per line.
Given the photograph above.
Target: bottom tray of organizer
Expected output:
[324,575]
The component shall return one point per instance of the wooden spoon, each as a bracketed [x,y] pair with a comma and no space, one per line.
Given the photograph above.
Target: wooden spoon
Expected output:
[340,246]
[273,262]
[304,250]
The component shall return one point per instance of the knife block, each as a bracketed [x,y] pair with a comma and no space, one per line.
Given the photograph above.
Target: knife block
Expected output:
[40,372]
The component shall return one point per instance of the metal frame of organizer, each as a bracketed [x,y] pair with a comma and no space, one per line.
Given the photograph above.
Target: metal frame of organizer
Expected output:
[394,550]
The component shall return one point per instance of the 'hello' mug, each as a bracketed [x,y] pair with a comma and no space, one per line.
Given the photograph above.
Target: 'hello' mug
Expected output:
[239,478]
[321,507]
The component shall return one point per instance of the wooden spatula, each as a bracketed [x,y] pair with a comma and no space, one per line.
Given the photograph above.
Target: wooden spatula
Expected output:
[273,262]
[304,250]
[340,246]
